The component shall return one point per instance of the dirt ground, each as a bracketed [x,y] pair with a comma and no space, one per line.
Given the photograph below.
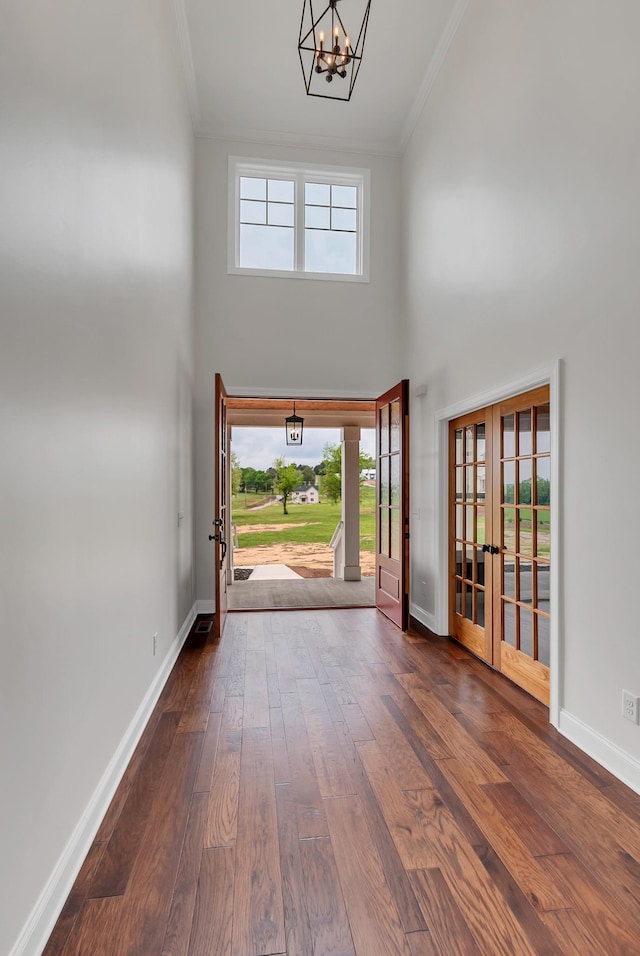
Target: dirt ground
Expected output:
[302,555]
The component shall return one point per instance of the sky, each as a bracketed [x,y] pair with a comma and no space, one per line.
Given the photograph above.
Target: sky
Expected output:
[259,447]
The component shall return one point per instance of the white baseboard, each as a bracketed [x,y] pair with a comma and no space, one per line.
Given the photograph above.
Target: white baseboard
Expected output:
[39,925]
[206,607]
[621,764]
[424,617]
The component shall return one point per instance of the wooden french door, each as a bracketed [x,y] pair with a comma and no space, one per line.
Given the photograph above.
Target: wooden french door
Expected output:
[392,504]
[222,515]
[500,519]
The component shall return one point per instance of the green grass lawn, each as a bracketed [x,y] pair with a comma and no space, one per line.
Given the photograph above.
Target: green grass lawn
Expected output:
[319,522]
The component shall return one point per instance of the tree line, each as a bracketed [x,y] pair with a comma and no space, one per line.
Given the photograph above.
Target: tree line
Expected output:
[283,478]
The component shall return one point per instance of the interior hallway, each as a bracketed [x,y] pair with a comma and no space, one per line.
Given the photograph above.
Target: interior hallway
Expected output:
[320,783]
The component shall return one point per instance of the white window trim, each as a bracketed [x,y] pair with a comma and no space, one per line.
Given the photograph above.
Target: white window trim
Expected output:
[335,175]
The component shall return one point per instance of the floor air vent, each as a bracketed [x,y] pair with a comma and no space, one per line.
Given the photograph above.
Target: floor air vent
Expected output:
[203,627]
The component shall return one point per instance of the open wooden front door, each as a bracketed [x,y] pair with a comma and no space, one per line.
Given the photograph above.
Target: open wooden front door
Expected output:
[392,500]
[222,517]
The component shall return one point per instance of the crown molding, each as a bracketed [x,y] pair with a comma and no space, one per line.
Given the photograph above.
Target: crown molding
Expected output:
[435,65]
[309,141]
[184,40]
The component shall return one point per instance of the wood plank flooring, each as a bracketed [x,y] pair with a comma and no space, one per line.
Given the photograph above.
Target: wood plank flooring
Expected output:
[318,784]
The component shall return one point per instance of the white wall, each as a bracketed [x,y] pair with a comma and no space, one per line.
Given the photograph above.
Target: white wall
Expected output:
[313,338]
[521,205]
[95,405]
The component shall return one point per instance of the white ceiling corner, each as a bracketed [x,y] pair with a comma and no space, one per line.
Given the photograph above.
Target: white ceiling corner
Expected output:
[435,65]
[184,40]
[245,84]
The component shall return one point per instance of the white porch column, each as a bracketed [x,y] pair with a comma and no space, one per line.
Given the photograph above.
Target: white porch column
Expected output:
[351,570]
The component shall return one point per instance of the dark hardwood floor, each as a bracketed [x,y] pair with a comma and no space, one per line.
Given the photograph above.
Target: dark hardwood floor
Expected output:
[321,784]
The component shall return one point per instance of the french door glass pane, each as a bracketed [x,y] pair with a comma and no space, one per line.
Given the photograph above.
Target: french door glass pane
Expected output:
[524,481]
[509,623]
[470,552]
[526,631]
[543,574]
[384,531]
[395,533]
[544,534]
[480,517]
[384,430]
[459,446]
[509,579]
[395,426]
[524,433]
[543,430]
[395,479]
[481,482]
[526,582]
[384,481]
[508,482]
[543,481]
[509,529]
[468,483]
[470,530]
[525,532]
[480,608]
[468,443]
[481,442]
[508,437]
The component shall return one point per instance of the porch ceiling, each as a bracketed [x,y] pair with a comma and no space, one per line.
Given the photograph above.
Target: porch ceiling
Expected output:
[317,413]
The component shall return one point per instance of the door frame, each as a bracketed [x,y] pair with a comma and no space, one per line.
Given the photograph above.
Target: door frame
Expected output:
[550,375]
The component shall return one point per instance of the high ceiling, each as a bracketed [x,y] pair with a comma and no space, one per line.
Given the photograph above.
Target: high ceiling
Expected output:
[246,82]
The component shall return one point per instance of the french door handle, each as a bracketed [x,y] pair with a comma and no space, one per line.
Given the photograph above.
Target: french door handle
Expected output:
[491,548]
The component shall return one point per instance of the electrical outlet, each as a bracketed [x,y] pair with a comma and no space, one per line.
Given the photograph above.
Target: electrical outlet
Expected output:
[155,643]
[630,706]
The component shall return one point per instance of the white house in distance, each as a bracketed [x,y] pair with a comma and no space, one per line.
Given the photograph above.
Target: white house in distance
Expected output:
[305,495]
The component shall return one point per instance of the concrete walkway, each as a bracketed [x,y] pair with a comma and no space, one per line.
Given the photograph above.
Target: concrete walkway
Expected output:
[272,572]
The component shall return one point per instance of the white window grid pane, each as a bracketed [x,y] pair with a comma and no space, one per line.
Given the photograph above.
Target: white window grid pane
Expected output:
[252,210]
[253,187]
[338,221]
[281,190]
[317,194]
[281,214]
[345,197]
[340,198]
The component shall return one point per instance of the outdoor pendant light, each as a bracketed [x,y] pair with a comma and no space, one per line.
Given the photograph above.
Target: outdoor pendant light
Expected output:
[293,426]
[329,59]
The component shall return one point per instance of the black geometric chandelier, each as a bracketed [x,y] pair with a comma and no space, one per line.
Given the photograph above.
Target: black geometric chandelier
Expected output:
[293,426]
[329,58]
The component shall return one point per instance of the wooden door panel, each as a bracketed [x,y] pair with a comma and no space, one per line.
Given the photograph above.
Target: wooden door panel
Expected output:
[500,514]
[471,568]
[392,504]
[522,516]
[222,515]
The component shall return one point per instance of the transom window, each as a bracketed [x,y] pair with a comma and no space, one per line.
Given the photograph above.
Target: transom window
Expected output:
[302,222]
